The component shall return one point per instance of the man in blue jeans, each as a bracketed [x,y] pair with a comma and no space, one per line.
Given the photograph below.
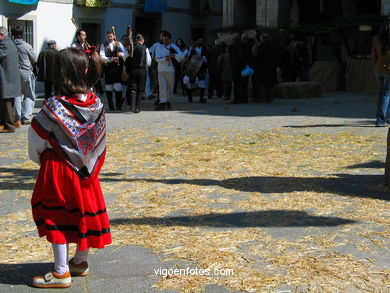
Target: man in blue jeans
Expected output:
[383,101]
[27,58]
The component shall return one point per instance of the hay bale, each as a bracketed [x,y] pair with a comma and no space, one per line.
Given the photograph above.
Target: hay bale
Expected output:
[298,90]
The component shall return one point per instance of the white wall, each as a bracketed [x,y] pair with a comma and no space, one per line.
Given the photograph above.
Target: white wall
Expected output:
[54,23]
[118,17]
[51,21]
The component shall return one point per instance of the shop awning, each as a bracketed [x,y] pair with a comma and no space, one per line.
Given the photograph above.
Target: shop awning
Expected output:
[25,2]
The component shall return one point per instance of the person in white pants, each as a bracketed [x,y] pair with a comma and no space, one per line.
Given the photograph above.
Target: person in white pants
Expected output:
[164,53]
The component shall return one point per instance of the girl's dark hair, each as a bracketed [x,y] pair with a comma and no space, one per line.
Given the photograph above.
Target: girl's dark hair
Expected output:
[70,76]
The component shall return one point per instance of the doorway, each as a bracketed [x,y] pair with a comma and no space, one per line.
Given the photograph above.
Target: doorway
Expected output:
[149,27]
[93,31]
[198,32]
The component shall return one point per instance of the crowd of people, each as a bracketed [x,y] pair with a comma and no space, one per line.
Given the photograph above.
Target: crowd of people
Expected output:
[132,72]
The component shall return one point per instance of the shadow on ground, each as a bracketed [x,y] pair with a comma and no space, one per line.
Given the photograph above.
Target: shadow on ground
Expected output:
[15,178]
[22,274]
[361,123]
[350,185]
[375,164]
[273,218]
[331,104]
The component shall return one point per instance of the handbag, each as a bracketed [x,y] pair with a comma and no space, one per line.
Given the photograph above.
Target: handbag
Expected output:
[247,71]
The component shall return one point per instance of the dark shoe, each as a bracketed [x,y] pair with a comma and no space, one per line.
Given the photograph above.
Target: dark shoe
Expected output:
[202,101]
[135,110]
[26,123]
[381,124]
[17,124]
[161,107]
[5,130]
[78,270]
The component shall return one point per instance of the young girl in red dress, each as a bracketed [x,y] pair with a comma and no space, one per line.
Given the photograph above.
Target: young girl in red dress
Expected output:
[68,140]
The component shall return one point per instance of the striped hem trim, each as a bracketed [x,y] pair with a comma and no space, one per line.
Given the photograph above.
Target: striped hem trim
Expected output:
[56,208]
[71,228]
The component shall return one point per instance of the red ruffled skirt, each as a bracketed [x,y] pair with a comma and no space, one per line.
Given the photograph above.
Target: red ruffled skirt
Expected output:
[67,208]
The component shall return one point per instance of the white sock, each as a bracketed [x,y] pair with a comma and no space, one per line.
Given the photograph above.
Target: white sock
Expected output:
[61,260]
[80,256]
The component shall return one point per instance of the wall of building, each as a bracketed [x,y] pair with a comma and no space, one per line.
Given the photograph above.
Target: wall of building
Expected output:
[386,7]
[52,19]
[178,25]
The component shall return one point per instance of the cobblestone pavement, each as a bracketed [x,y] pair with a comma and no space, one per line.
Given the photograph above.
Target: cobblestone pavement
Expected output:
[289,196]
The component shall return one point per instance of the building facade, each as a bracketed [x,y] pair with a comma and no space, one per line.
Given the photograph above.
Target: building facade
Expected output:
[52,19]
[290,13]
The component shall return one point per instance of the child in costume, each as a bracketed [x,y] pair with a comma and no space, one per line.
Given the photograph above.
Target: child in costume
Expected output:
[68,140]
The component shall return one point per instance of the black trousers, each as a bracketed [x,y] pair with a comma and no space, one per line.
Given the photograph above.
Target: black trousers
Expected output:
[227,89]
[48,87]
[215,83]
[237,87]
[7,113]
[136,86]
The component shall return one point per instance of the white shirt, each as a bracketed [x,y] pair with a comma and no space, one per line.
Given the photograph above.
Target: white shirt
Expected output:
[102,52]
[162,51]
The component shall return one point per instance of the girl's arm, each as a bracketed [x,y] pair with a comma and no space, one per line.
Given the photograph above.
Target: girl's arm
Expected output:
[36,146]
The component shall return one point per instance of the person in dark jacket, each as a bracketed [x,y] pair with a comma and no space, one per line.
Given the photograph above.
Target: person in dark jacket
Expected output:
[9,81]
[215,75]
[136,70]
[178,73]
[267,60]
[198,80]
[45,66]
[111,53]
[225,68]
[246,45]
[238,62]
